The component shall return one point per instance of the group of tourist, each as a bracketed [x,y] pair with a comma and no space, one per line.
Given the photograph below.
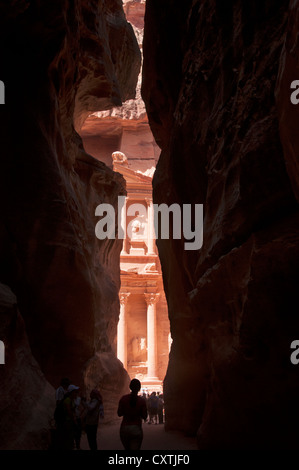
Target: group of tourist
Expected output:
[155,407]
[73,414]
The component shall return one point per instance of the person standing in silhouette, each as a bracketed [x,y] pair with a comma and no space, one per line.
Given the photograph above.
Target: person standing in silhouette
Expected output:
[69,419]
[153,408]
[133,410]
[60,394]
[58,435]
[160,408]
[94,411]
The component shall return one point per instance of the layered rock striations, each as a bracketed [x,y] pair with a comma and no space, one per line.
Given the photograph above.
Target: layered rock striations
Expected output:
[60,61]
[216,83]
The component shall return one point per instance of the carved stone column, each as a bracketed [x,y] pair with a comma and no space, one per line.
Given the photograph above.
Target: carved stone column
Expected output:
[151,300]
[122,329]
[150,228]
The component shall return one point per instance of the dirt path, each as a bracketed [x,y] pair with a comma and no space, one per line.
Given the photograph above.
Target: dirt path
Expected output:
[155,438]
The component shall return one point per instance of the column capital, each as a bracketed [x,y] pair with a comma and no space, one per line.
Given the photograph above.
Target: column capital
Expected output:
[123,297]
[151,298]
[148,201]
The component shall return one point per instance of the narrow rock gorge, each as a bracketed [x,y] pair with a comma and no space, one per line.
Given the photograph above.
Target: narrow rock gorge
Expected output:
[216,83]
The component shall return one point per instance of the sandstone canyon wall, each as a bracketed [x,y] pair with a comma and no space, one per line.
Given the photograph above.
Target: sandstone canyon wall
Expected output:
[216,83]
[60,61]
[124,128]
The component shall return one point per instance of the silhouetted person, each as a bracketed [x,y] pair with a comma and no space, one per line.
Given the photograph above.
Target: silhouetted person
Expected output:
[160,408]
[79,409]
[95,410]
[133,409]
[69,421]
[59,415]
[153,408]
[60,393]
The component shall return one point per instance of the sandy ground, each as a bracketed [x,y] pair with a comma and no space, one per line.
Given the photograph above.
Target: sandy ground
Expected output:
[154,438]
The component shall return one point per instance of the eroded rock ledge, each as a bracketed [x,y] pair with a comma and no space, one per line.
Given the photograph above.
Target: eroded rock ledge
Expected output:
[209,78]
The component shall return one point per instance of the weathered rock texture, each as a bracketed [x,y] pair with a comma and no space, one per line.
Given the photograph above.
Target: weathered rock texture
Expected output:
[60,61]
[124,128]
[288,113]
[27,399]
[209,78]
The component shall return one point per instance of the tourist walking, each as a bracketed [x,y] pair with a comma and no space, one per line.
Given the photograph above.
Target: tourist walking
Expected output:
[133,410]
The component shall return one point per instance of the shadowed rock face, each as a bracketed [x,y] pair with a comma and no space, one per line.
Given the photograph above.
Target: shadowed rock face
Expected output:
[27,399]
[209,78]
[288,113]
[59,62]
